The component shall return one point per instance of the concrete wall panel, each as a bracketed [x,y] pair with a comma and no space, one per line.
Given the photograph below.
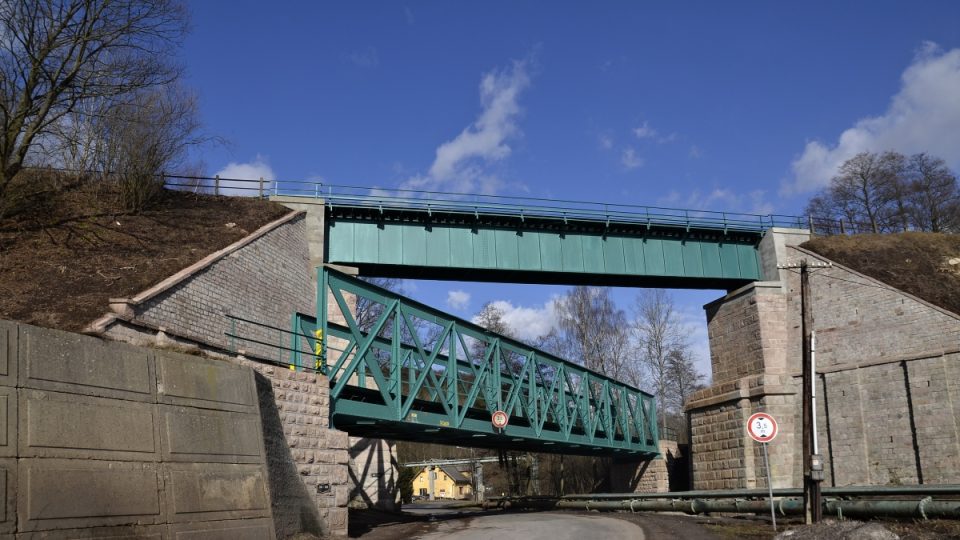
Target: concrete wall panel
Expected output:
[126,532]
[205,383]
[247,529]
[210,436]
[205,492]
[57,494]
[8,353]
[65,362]
[8,489]
[67,425]
[8,421]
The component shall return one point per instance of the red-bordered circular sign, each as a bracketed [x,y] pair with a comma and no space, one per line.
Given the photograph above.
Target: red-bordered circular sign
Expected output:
[499,419]
[762,427]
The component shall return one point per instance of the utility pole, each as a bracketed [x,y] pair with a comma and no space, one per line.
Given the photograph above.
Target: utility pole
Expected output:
[812,460]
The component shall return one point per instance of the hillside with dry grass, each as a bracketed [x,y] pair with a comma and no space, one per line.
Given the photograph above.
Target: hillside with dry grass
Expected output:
[926,265]
[63,256]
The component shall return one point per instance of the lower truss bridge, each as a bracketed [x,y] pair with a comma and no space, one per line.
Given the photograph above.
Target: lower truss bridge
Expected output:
[399,369]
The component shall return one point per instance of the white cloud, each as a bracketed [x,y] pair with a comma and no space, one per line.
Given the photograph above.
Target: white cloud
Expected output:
[606,141]
[461,163]
[254,170]
[721,200]
[695,152]
[629,158]
[408,13]
[364,58]
[528,323]
[924,116]
[645,131]
[458,299]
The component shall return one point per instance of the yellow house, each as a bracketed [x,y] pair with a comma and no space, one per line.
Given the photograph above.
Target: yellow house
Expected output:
[446,481]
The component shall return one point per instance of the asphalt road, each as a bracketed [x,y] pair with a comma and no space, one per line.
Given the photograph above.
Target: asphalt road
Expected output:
[535,526]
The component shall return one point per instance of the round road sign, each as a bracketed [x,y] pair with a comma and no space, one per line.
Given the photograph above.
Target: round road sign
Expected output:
[762,427]
[499,419]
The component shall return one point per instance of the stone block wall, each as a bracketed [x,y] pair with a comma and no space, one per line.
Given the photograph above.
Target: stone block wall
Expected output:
[264,278]
[885,361]
[658,475]
[109,440]
[307,461]
[747,332]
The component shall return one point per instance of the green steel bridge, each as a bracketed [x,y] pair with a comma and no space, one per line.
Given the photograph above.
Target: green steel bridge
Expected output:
[429,235]
[402,370]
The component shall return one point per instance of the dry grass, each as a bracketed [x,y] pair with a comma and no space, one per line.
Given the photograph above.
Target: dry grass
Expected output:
[63,257]
[926,265]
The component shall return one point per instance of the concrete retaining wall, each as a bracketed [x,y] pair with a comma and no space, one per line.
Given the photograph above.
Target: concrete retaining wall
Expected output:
[108,440]
[888,384]
[264,278]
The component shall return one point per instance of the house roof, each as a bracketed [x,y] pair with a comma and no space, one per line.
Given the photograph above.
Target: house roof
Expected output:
[456,473]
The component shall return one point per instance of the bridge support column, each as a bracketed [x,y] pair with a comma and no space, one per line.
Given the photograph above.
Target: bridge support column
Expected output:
[667,472]
[751,338]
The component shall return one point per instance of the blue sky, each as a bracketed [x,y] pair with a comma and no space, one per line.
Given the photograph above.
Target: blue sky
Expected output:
[739,107]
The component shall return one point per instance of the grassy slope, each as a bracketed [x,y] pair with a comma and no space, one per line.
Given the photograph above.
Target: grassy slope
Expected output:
[918,263]
[60,262]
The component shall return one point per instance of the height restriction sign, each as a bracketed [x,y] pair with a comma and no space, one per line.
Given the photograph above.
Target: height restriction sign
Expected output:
[762,427]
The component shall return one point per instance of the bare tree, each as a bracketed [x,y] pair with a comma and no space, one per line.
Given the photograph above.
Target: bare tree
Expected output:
[58,55]
[861,188]
[888,192]
[933,194]
[660,342]
[684,379]
[142,137]
[594,331]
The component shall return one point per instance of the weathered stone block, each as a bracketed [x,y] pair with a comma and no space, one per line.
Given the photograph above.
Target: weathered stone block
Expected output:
[65,362]
[63,494]
[205,383]
[205,492]
[55,424]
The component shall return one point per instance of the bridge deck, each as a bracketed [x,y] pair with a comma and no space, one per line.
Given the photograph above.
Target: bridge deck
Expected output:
[477,238]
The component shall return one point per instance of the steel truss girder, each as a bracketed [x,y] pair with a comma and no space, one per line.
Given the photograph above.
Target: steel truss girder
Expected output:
[421,371]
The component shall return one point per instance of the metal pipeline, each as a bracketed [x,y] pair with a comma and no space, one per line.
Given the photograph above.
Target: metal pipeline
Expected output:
[923,508]
[845,491]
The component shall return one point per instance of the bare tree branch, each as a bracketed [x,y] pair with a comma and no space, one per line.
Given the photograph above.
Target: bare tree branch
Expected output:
[57,55]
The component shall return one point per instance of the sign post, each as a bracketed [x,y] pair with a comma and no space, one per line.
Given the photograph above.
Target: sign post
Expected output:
[763,428]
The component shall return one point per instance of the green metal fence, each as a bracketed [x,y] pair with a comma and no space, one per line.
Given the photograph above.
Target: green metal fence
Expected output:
[400,369]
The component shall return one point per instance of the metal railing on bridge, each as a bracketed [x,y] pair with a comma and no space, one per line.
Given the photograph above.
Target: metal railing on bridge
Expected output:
[402,370]
[472,204]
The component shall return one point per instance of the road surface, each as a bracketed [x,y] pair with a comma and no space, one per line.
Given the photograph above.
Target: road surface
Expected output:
[441,520]
[535,526]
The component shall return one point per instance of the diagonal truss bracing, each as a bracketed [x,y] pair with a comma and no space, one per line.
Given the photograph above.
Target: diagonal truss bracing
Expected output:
[400,369]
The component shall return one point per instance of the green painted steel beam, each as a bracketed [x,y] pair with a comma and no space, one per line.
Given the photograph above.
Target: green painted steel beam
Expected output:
[412,366]
[491,250]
